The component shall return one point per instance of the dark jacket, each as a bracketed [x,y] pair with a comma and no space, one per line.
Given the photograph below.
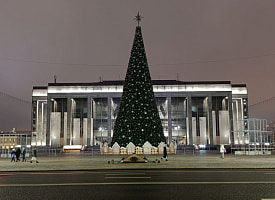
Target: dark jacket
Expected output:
[164,151]
[34,153]
[24,152]
[18,152]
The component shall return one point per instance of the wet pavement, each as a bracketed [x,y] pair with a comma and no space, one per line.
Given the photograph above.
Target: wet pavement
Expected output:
[81,161]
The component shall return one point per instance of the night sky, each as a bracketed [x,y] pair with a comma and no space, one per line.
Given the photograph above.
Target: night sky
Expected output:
[81,40]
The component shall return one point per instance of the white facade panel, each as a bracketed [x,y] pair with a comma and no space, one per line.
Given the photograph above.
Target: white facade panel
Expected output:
[85,131]
[39,92]
[194,130]
[203,138]
[214,128]
[92,132]
[187,131]
[65,128]
[44,130]
[239,90]
[224,124]
[76,131]
[238,123]
[55,128]
[156,88]
[41,123]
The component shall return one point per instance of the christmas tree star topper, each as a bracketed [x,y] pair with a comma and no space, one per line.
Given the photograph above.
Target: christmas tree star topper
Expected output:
[138,18]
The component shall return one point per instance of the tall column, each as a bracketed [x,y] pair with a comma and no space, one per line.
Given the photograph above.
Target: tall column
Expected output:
[69,119]
[109,119]
[189,115]
[89,139]
[49,110]
[169,119]
[39,128]
[210,120]
[230,118]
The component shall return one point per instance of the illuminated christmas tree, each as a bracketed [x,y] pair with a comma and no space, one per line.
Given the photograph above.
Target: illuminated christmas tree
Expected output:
[138,120]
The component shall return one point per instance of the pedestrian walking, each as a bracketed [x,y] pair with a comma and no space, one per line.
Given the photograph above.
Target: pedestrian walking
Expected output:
[17,154]
[222,149]
[165,156]
[23,154]
[13,155]
[34,155]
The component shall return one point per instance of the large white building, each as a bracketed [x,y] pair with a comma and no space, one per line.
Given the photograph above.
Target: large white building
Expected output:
[205,112]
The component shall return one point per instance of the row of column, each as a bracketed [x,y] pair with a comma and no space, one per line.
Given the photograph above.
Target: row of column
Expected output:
[209,121]
[70,120]
[109,125]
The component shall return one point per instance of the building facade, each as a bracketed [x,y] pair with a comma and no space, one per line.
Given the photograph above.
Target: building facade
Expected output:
[191,113]
[10,140]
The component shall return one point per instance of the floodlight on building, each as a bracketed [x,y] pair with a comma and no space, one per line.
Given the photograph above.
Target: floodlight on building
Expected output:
[72,147]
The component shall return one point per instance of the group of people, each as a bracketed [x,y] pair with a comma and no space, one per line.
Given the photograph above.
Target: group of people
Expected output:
[15,155]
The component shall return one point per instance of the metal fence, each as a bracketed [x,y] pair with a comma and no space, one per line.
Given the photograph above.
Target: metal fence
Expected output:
[253,136]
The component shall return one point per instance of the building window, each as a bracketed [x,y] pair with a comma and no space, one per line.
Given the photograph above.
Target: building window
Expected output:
[115,102]
[162,105]
[100,116]
[178,115]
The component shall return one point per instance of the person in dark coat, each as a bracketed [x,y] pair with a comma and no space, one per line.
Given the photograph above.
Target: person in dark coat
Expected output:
[34,155]
[17,154]
[24,154]
[13,155]
[165,153]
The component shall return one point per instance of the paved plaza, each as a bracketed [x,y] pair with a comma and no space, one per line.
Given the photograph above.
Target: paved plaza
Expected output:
[81,161]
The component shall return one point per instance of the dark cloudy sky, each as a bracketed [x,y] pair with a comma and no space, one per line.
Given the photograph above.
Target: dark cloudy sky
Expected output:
[81,40]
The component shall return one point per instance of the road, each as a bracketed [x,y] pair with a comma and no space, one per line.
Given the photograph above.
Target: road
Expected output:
[140,184]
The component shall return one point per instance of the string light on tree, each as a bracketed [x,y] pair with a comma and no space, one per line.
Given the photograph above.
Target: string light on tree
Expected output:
[138,116]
